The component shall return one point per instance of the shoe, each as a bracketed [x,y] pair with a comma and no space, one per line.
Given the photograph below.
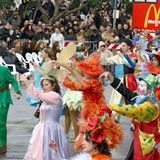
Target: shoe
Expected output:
[3,149]
[67,136]
[71,140]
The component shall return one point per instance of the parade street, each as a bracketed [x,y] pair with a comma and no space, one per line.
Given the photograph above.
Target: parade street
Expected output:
[21,122]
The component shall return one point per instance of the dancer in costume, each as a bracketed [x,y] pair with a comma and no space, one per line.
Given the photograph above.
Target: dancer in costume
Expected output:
[6,78]
[144,111]
[123,72]
[48,128]
[46,68]
[99,132]
[72,100]
[92,89]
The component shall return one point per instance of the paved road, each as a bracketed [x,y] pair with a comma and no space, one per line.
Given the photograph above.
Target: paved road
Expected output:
[21,123]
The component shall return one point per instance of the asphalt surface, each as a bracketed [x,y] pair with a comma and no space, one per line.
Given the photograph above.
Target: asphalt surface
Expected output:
[21,123]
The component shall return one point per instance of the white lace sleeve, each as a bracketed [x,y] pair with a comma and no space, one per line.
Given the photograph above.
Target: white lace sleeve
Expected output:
[82,156]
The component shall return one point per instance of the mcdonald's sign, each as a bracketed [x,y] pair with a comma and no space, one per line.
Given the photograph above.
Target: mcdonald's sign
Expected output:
[146,16]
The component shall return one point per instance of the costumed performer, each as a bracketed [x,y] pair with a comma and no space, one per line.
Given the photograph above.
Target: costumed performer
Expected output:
[92,89]
[6,78]
[99,132]
[48,128]
[45,68]
[144,111]
[123,72]
[72,100]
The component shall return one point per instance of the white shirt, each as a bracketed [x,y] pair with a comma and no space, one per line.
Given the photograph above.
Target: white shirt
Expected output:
[57,37]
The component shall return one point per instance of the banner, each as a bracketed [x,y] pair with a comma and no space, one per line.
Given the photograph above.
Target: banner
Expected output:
[146,16]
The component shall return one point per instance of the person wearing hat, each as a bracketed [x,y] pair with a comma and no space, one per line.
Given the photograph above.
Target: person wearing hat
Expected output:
[144,111]
[76,27]
[14,20]
[122,71]
[70,35]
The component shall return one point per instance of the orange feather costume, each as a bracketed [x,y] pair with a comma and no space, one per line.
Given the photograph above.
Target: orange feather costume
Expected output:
[94,103]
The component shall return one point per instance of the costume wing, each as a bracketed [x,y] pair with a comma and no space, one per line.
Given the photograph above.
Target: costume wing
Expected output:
[67,52]
[63,56]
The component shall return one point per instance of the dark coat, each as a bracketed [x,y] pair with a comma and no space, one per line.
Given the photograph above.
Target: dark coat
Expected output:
[4,33]
[40,36]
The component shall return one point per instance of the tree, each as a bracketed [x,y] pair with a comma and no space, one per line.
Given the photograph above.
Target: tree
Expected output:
[7,3]
[56,15]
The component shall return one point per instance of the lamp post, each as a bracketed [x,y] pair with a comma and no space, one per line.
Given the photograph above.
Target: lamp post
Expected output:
[114,13]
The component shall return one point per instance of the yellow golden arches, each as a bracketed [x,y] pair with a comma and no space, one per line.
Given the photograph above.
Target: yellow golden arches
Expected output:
[157,15]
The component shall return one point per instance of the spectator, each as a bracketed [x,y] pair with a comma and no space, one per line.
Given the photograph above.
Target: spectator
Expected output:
[70,35]
[28,32]
[113,37]
[40,35]
[95,38]
[32,13]
[10,58]
[122,17]
[22,29]
[49,6]
[81,34]
[55,50]
[135,32]
[5,32]
[18,46]
[57,36]
[3,47]
[89,31]
[98,19]
[106,35]
[22,10]
[119,29]
[62,29]
[26,47]
[62,6]
[16,34]
[40,46]
[76,27]
[14,20]
[102,29]
[10,13]
[125,32]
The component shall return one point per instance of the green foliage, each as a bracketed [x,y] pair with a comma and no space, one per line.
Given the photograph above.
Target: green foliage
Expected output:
[75,4]
[6,3]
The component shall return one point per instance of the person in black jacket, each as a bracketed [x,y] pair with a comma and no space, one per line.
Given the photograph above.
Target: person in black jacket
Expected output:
[95,37]
[23,8]
[10,58]
[98,18]
[4,32]
[40,35]
[49,6]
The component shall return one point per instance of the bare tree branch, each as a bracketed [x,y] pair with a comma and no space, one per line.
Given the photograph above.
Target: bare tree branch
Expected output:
[66,12]
[38,5]
[56,15]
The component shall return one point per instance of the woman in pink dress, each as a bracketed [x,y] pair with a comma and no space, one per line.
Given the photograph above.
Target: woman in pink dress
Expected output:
[48,128]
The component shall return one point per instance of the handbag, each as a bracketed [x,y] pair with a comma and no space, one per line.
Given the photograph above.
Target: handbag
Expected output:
[37,113]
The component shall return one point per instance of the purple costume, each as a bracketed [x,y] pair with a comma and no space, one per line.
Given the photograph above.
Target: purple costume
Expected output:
[48,128]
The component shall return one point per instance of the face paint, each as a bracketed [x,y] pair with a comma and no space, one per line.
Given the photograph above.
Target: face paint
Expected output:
[142,88]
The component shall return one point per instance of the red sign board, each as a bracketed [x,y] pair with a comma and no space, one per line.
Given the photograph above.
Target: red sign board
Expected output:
[146,16]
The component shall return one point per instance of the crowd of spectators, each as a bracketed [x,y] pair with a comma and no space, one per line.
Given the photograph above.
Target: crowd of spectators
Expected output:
[88,24]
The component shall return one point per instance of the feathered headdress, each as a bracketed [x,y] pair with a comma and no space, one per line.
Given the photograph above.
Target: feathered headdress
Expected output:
[102,128]
[91,66]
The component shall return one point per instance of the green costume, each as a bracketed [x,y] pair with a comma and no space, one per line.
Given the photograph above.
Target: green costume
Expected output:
[6,78]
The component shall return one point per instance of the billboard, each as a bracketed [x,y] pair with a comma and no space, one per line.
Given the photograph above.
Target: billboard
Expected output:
[146,16]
